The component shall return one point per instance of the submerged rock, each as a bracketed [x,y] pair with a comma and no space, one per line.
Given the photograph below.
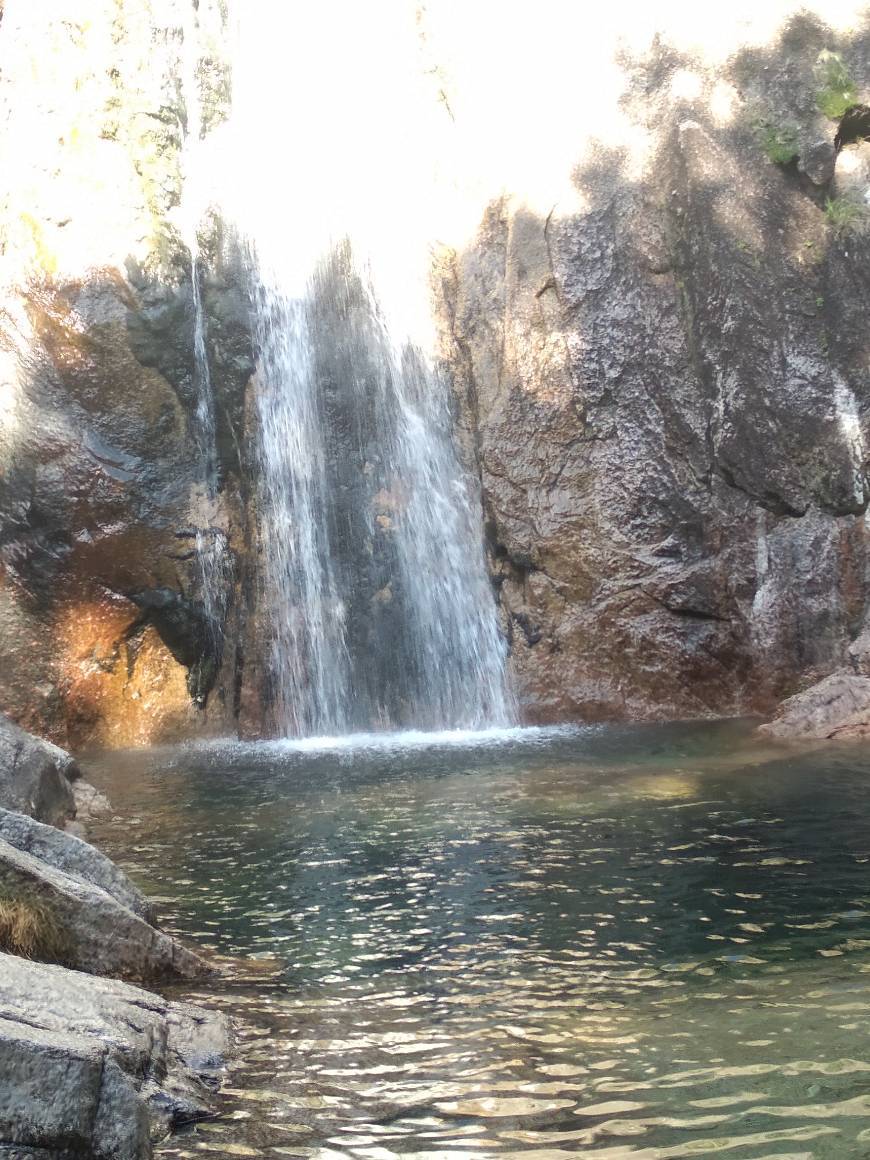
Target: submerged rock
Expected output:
[94,1067]
[35,776]
[837,707]
[90,803]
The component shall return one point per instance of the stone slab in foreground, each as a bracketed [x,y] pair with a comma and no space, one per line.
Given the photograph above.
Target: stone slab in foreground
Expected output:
[89,929]
[66,852]
[837,708]
[95,1067]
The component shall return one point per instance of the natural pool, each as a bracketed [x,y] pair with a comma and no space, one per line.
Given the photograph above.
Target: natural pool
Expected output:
[642,942]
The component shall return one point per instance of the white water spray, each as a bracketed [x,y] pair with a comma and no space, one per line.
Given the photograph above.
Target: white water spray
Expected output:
[380,606]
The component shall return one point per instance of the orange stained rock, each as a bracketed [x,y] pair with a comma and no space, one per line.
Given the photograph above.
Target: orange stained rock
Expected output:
[119,692]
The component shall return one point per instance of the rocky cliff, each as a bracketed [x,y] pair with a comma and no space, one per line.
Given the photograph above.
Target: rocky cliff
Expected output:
[104,494]
[664,388]
[661,381]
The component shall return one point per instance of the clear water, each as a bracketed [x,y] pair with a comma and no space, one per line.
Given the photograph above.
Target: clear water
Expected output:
[375,593]
[639,942]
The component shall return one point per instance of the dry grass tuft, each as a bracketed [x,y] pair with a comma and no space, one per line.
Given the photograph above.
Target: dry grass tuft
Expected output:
[29,929]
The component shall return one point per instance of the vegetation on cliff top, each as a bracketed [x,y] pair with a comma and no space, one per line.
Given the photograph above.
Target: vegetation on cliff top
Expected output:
[838,91]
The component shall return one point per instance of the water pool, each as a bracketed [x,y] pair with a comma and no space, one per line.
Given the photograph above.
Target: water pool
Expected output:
[629,942]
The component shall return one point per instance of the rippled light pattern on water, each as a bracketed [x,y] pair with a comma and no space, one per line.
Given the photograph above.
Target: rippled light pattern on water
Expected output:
[640,943]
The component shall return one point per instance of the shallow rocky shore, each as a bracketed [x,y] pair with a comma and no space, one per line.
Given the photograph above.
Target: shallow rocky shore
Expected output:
[91,1066]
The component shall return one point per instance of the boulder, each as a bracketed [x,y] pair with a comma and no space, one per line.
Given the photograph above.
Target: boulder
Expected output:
[94,1067]
[837,707]
[35,776]
[852,173]
[70,854]
[72,920]
[90,802]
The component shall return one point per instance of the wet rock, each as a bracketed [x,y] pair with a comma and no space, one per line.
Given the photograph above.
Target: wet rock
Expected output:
[187,631]
[80,924]
[35,776]
[837,707]
[662,387]
[94,1067]
[73,856]
[102,454]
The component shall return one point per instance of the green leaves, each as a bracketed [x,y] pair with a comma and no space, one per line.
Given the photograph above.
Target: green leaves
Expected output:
[846,217]
[837,91]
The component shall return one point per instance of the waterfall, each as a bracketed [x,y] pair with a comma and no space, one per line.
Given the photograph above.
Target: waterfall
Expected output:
[379,607]
[307,618]
[212,555]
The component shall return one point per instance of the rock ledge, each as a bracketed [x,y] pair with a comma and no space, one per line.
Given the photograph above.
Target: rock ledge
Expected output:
[95,1067]
[837,708]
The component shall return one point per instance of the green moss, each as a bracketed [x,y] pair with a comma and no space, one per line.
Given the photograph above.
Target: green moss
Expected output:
[779,142]
[846,217]
[837,91]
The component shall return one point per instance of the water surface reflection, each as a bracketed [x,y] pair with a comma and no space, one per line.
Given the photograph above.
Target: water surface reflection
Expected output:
[646,942]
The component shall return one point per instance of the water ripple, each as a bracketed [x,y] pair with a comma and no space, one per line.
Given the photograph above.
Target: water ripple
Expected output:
[634,943]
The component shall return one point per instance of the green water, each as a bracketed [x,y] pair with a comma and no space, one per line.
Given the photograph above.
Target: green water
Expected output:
[646,942]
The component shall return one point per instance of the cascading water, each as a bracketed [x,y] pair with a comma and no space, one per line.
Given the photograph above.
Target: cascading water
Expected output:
[211,542]
[381,611]
[307,618]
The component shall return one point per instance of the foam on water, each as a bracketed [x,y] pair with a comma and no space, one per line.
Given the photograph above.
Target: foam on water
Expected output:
[392,742]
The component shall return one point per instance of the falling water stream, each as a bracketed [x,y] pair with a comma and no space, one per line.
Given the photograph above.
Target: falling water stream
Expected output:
[211,545]
[379,608]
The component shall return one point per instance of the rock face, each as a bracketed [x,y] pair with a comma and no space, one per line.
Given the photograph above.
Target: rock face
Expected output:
[94,1067]
[664,389]
[106,489]
[837,708]
[35,776]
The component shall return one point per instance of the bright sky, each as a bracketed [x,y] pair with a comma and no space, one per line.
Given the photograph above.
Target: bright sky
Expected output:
[343,124]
